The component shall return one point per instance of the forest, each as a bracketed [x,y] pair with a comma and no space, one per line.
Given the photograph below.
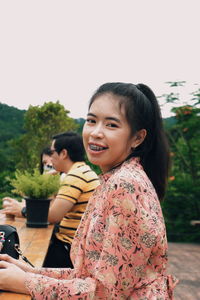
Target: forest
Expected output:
[23,134]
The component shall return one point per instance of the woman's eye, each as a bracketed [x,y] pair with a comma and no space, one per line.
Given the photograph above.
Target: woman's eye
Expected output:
[112,125]
[90,121]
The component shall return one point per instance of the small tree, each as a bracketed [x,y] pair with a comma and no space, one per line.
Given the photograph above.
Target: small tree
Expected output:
[41,123]
[182,203]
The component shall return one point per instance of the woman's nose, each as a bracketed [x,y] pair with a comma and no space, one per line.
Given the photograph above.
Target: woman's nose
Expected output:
[97,131]
[49,162]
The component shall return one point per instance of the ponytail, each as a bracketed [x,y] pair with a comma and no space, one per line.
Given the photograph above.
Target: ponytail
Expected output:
[155,157]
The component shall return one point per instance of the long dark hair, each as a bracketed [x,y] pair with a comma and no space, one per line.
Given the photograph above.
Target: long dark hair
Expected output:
[46,151]
[143,112]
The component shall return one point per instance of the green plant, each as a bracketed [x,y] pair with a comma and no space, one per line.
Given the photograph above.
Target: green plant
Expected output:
[35,185]
[182,201]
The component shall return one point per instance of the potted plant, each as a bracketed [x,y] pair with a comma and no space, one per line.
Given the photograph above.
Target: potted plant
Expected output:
[37,190]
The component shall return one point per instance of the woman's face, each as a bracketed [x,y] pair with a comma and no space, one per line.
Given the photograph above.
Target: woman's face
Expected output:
[106,133]
[47,162]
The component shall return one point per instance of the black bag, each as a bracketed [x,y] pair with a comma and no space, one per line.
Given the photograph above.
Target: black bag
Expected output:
[9,241]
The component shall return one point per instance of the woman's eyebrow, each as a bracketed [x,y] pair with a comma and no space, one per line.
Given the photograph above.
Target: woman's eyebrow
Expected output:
[107,118]
[91,115]
[113,119]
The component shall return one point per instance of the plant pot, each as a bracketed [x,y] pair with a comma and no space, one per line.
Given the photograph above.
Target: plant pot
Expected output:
[37,212]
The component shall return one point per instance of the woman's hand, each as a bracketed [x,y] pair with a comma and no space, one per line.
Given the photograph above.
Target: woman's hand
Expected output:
[22,265]
[12,278]
[12,206]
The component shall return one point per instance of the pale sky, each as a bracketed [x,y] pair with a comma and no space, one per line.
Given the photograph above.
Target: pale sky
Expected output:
[64,49]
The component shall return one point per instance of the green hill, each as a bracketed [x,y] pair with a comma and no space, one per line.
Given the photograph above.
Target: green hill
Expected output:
[11,122]
[11,126]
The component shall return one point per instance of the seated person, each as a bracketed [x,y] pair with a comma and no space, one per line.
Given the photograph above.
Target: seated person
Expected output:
[46,165]
[75,190]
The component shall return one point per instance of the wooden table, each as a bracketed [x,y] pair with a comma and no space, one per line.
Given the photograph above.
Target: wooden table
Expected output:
[33,243]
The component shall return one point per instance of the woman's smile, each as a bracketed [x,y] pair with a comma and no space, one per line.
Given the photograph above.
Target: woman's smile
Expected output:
[96,147]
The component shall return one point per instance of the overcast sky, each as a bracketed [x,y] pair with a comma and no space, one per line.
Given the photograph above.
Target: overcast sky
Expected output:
[64,49]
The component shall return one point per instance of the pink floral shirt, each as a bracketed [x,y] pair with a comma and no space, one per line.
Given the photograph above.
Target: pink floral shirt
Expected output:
[120,248]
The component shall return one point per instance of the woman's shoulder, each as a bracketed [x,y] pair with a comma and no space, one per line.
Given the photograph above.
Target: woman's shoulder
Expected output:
[130,170]
[130,174]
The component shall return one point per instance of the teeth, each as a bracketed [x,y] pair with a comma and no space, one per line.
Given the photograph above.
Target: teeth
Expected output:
[96,148]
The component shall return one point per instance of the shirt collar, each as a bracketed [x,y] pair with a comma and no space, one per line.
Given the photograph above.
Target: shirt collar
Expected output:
[77,164]
[133,161]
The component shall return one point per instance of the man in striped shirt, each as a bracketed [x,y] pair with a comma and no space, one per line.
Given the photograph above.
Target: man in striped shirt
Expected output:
[77,185]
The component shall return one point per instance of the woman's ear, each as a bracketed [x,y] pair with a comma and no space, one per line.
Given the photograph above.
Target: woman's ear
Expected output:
[139,138]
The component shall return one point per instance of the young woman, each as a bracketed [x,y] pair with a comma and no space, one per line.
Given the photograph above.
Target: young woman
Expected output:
[120,248]
[45,161]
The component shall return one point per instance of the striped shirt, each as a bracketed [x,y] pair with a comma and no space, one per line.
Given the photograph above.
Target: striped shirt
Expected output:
[77,186]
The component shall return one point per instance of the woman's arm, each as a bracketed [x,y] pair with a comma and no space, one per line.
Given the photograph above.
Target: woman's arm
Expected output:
[14,279]
[54,273]
[46,288]
[65,273]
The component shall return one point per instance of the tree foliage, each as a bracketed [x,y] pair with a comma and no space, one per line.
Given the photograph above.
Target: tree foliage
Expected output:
[182,203]
[11,122]
[11,126]
[40,124]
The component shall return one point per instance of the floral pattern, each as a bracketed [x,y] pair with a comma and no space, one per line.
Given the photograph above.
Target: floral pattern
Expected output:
[120,248]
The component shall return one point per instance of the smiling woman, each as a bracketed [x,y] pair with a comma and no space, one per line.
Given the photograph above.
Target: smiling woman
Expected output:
[107,134]
[120,247]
